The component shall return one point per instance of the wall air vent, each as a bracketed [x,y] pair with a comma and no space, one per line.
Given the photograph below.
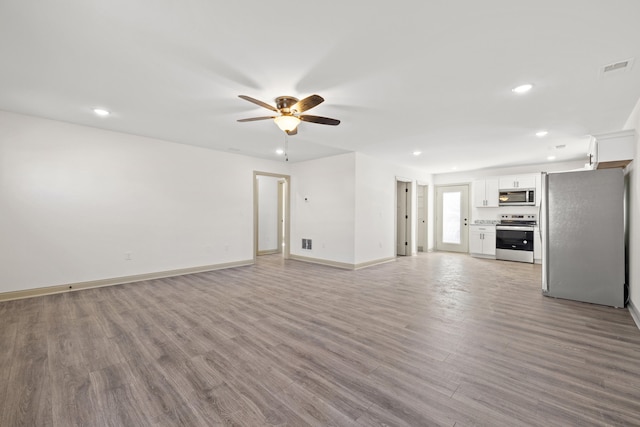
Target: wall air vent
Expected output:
[617,67]
[306,244]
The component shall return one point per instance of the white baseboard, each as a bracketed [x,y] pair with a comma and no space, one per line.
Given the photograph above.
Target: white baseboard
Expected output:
[635,314]
[268,252]
[70,287]
[343,265]
[374,262]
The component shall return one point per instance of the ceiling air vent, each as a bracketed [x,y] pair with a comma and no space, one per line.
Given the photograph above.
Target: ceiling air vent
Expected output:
[616,66]
[620,66]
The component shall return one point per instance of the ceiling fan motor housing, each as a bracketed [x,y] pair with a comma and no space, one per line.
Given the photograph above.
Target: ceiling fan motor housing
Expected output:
[284,103]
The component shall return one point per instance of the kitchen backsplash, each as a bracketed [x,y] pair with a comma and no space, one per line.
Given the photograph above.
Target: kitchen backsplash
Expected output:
[486,221]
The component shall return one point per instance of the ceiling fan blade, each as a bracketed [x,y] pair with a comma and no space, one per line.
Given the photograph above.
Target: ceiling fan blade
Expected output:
[292,132]
[307,103]
[320,120]
[258,102]
[253,119]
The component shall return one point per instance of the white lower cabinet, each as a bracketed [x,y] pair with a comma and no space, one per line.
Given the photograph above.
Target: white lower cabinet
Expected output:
[482,240]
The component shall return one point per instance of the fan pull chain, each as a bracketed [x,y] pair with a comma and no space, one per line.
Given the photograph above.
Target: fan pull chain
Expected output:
[286,147]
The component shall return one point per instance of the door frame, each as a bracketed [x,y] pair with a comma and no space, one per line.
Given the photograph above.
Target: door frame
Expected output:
[286,252]
[282,192]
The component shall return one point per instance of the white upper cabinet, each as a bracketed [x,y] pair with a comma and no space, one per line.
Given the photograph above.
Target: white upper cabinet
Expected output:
[612,150]
[485,193]
[518,181]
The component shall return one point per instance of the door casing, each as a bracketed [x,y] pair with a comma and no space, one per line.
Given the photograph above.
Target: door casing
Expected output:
[286,207]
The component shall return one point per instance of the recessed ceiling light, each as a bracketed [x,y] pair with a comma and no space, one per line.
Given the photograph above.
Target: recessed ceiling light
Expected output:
[455,168]
[280,151]
[522,88]
[101,112]
[542,134]
[551,157]
[417,153]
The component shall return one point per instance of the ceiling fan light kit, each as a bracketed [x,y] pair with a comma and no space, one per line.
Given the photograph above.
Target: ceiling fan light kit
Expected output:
[290,109]
[287,123]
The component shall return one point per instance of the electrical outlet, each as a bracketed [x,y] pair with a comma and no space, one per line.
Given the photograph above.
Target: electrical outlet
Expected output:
[127,256]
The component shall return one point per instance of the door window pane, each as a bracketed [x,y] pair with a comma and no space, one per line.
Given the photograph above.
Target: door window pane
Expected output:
[451,217]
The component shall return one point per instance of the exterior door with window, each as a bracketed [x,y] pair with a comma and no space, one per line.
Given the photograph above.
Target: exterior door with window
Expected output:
[452,218]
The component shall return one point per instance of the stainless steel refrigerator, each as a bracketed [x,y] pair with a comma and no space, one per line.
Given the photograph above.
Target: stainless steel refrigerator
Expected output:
[582,230]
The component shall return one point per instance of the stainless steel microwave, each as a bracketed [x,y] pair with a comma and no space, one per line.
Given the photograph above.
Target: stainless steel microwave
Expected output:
[519,197]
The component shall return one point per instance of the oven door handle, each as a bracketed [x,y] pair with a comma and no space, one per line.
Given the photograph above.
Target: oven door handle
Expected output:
[514,228]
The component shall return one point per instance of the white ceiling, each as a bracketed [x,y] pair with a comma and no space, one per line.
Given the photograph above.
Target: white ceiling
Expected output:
[434,76]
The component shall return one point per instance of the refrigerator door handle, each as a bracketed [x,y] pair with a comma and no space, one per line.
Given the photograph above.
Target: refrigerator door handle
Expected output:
[543,230]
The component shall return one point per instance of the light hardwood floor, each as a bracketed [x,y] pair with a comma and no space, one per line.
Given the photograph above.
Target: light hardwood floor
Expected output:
[437,339]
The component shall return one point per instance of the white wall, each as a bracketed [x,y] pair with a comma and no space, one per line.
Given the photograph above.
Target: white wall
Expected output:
[375,236]
[350,212]
[328,215]
[634,214]
[374,210]
[267,213]
[74,200]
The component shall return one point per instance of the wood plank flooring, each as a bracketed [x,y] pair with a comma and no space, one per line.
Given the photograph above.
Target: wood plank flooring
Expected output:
[434,340]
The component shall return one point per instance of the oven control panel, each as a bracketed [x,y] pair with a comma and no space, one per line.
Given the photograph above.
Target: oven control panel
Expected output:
[530,218]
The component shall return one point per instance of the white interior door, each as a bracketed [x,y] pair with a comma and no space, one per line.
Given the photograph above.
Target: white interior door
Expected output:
[452,218]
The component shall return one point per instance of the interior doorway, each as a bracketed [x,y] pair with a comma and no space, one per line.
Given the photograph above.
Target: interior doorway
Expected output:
[403,217]
[422,199]
[452,218]
[271,213]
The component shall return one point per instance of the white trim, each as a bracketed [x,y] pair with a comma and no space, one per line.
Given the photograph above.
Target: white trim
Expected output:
[343,265]
[374,262]
[268,252]
[635,314]
[70,287]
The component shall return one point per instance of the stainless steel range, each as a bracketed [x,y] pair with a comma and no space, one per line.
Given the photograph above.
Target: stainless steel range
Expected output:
[514,237]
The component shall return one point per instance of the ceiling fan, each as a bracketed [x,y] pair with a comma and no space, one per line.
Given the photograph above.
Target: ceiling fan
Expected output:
[289,109]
